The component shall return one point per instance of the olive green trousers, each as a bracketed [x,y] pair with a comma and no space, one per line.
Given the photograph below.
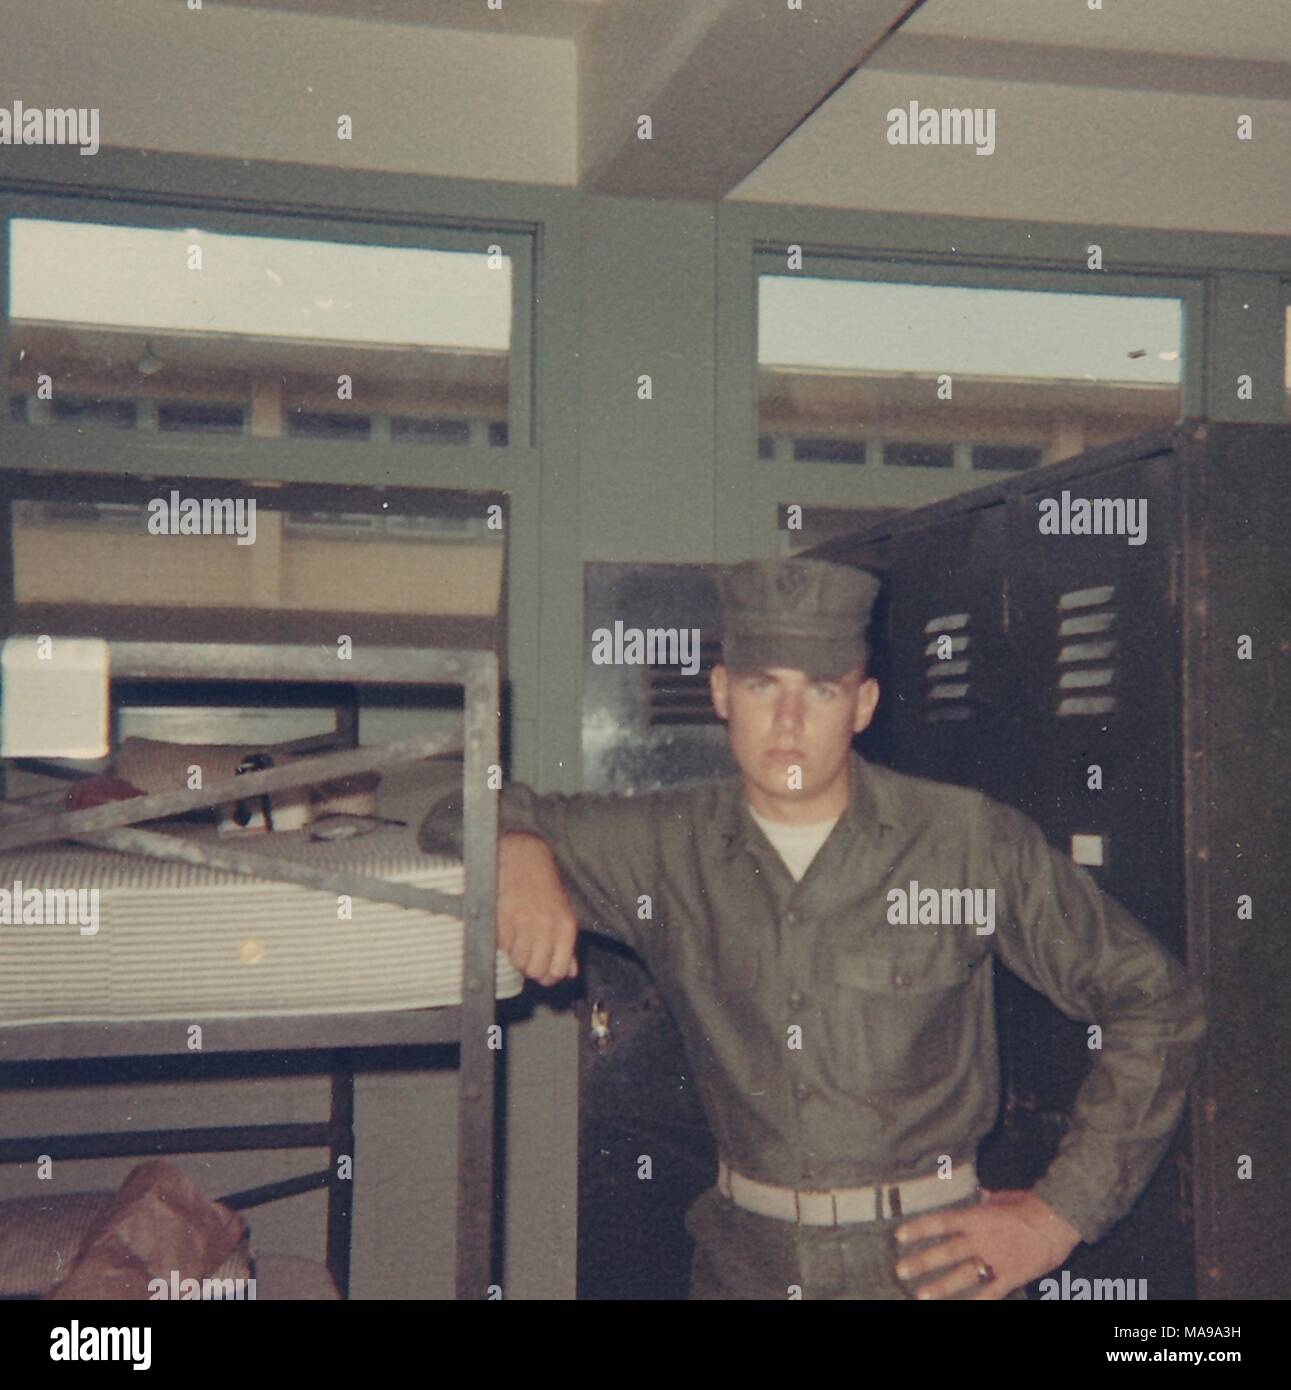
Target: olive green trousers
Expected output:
[741,1255]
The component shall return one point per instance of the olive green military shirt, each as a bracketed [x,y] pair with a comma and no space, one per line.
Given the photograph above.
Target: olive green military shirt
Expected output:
[832,1047]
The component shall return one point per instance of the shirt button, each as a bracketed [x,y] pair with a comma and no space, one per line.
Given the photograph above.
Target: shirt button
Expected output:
[900,981]
[791,917]
[801,1091]
[795,1001]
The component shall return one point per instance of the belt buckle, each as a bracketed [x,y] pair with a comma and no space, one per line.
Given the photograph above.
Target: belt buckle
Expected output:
[800,1192]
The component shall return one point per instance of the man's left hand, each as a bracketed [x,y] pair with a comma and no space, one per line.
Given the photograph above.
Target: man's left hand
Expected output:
[1016,1235]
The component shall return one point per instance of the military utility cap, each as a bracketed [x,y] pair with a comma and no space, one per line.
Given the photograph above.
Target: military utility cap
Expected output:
[805,615]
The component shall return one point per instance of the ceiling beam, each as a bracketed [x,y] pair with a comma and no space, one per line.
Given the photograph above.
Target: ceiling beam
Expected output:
[724,82]
[919,54]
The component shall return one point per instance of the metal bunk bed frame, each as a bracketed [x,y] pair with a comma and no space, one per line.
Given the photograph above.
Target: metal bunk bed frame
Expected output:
[339,1036]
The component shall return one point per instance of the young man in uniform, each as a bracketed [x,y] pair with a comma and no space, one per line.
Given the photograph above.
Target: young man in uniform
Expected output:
[838,1018]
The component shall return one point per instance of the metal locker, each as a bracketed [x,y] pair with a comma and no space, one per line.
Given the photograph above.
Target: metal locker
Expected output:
[1127,657]
[1094,634]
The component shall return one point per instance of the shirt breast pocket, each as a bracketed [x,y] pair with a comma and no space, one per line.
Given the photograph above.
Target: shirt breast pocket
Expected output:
[900,1017]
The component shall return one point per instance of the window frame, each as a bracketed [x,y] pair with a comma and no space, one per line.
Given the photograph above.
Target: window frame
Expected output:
[855,267]
[1231,282]
[540,476]
[105,449]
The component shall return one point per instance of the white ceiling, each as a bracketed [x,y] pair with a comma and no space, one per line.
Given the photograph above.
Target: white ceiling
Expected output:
[546,19]
[1257,29]
[1249,28]
[1097,111]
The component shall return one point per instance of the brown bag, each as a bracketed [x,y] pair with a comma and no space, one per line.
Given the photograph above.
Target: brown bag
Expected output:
[158,1226]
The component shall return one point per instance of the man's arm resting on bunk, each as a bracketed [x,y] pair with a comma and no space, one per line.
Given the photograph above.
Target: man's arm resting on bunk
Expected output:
[562,861]
[537,927]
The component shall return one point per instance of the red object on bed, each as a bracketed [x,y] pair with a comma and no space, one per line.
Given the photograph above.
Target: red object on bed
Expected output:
[97,791]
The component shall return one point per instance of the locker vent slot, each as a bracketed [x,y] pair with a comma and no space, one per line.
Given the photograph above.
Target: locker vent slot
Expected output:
[1086,651]
[946,679]
[673,697]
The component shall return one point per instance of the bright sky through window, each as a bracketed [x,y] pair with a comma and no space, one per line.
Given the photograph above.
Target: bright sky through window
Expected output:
[267,287]
[865,326]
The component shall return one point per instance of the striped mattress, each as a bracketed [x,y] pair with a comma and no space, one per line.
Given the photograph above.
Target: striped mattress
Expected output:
[177,941]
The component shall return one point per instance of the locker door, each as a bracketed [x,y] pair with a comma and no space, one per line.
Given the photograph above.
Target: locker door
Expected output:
[1093,625]
[1095,630]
